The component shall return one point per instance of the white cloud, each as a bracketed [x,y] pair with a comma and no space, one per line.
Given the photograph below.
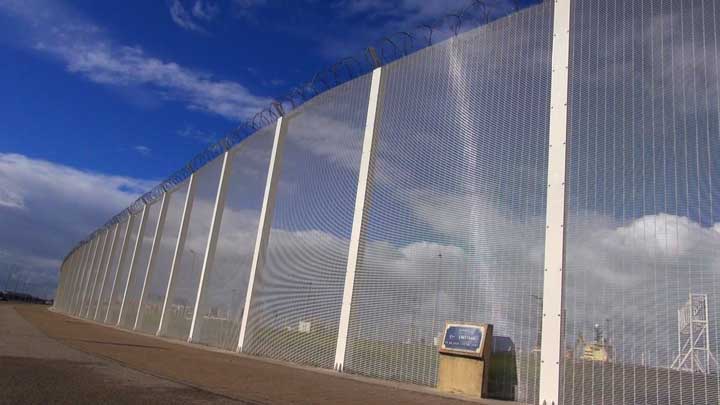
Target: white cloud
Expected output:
[181,17]
[198,135]
[87,50]
[53,206]
[142,149]
[205,10]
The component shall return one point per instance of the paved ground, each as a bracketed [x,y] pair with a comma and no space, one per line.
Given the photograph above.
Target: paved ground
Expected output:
[35,369]
[47,357]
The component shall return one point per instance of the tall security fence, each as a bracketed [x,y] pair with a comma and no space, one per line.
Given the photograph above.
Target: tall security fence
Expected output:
[550,173]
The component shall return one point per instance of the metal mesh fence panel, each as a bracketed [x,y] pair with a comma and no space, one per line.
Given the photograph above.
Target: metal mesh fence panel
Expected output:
[295,307]
[137,276]
[160,273]
[75,280]
[67,274]
[95,297]
[642,287]
[220,311]
[181,300]
[123,269]
[93,272]
[69,271]
[86,270]
[455,225]
[112,271]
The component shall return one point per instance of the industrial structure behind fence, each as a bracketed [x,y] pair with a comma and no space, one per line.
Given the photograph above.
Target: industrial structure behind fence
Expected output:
[554,173]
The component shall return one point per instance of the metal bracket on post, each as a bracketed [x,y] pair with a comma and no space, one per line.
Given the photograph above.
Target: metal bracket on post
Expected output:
[153,253]
[266,214]
[552,322]
[107,266]
[121,261]
[358,217]
[136,249]
[179,246]
[212,237]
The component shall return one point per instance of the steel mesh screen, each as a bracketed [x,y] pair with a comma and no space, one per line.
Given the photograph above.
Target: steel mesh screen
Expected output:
[160,273]
[295,307]
[86,274]
[181,301]
[220,311]
[69,272]
[68,278]
[78,277]
[455,225]
[112,272]
[93,274]
[642,231]
[95,297]
[137,276]
[123,269]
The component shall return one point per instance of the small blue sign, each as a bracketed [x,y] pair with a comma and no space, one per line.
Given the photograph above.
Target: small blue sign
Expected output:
[465,338]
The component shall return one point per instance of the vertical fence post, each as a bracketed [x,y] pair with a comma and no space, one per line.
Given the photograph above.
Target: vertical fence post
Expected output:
[96,271]
[212,237]
[153,252]
[552,323]
[107,265]
[136,249]
[86,275]
[266,213]
[358,217]
[179,246]
[121,261]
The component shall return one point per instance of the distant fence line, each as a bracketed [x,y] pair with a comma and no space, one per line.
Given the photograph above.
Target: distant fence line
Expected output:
[550,172]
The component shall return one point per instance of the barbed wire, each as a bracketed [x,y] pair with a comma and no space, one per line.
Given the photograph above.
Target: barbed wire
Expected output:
[383,51]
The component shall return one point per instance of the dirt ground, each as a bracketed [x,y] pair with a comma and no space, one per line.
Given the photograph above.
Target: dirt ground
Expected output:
[77,358]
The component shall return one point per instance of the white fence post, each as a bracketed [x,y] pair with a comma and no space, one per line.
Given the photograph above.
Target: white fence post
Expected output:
[153,252]
[266,214]
[212,237]
[123,249]
[552,323]
[179,246]
[358,217]
[136,249]
[107,265]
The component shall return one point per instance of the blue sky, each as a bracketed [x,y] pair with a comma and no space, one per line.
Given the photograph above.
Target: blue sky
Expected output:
[96,84]
[102,100]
